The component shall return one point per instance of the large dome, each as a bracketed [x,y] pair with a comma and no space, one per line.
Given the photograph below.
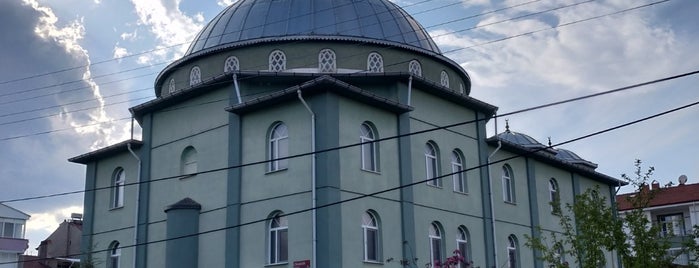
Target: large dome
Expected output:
[375,21]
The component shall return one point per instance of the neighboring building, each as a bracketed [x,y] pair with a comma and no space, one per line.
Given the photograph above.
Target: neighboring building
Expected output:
[62,248]
[12,243]
[266,80]
[675,209]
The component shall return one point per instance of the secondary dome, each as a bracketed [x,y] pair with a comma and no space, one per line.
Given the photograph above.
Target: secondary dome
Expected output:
[376,21]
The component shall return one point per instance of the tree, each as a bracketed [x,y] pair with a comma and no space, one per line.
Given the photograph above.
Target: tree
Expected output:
[591,226]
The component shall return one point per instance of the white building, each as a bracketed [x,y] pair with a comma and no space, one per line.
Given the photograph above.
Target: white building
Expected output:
[12,242]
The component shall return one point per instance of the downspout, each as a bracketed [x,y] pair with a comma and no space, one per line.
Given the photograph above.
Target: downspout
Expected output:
[237,89]
[490,193]
[410,88]
[138,195]
[313,176]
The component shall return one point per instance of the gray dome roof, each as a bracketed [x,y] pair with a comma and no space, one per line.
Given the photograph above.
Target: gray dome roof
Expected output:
[572,157]
[378,21]
[519,139]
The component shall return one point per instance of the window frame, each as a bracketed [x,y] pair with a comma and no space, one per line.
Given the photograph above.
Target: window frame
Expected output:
[669,228]
[231,64]
[278,147]
[462,237]
[459,175]
[171,87]
[554,197]
[508,183]
[373,226]
[512,252]
[444,78]
[276,248]
[367,136]
[117,183]
[327,61]
[432,165]
[415,68]
[114,255]
[195,76]
[374,63]
[436,243]
[277,61]
[189,162]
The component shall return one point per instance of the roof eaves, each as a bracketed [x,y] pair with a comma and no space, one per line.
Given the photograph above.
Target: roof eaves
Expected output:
[106,151]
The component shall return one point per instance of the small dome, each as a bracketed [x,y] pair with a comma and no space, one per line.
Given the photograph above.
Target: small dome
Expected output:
[378,21]
[572,157]
[520,139]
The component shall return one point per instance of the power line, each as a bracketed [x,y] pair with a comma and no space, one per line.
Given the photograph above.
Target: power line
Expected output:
[414,183]
[380,139]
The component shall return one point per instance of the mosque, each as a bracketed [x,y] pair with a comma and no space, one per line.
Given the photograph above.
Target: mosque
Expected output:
[322,133]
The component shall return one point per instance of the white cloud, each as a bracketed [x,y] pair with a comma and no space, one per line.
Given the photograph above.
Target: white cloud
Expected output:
[97,124]
[225,3]
[129,36]
[168,24]
[119,52]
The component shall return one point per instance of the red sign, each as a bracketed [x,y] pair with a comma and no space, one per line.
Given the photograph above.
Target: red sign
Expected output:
[302,264]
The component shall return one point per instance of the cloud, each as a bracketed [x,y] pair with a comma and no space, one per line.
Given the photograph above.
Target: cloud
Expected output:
[119,52]
[169,25]
[225,3]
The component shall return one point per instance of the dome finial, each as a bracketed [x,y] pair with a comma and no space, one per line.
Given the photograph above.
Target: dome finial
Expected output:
[507,125]
[549,141]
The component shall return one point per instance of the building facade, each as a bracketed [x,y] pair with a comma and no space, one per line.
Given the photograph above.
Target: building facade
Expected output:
[675,210]
[12,229]
[279,107]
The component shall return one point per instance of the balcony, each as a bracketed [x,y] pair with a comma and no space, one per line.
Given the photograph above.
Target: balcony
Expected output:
[13,244]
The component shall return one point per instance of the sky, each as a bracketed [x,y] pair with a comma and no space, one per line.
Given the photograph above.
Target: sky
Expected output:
[69,71]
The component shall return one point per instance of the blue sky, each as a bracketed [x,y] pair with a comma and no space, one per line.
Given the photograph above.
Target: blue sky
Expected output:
[92,55]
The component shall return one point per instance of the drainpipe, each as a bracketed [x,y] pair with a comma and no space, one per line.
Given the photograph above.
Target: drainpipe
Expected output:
[138,195]
[237,89]
[313,178]
[410,88]
[490,193]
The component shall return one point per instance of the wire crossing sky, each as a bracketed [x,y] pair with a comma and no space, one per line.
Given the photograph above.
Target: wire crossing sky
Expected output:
[70,72]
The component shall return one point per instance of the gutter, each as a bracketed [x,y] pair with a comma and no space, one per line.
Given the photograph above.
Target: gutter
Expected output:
[313,179]
[138,196]
[490,194]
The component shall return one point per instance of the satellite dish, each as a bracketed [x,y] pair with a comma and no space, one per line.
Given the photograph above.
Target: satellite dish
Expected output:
[683,179]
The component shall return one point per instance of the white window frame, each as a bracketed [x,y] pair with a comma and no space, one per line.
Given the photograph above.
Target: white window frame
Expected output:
[368,148]
[278,147]
[554,196]
[195,76]
[671,224]
[508,189]
[16,228]
[231,64]
[171,87]
[415,68]
[327,61]
[432,165]
[374,63]
[118,181]
[458,176]
[370,225]
[276,249]
[444,79]
[512,254]
[435,236]
[277,61]
[114,255]
[462,245]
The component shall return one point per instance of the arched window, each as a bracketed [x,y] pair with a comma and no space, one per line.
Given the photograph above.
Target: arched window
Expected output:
[278,146]
[415,68]
[461,88]
[554,197]
[559,253]
[277,61]
[118,180]
[432,164]
[436,251]
[369,147]
[370,226]
[444,79]
[458,176]
[188,161]
[114,255]
[374,63]
[171,86]
[278,239]
[512,255]
[326,61]
[231,64]
[462,245]
[194,76]
[508,184]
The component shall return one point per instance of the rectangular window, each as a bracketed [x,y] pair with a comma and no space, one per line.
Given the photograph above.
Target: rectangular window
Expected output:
[371,253]
[431,165]
[507,189]
[671,225]
[458,177]
[463,248]
[436,250]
